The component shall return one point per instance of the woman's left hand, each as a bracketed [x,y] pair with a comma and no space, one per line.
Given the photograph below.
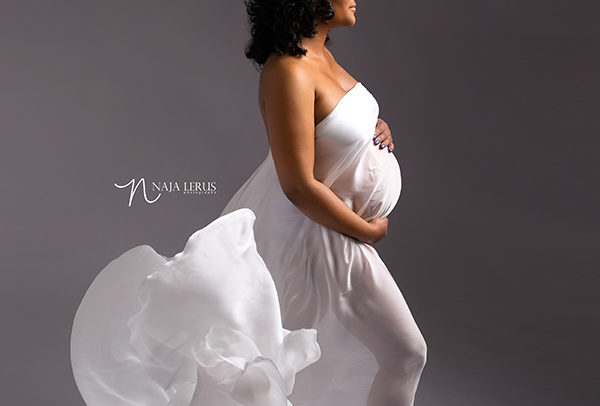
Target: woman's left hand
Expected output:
[383,136]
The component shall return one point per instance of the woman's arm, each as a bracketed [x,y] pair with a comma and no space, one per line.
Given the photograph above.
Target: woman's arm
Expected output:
[289,95]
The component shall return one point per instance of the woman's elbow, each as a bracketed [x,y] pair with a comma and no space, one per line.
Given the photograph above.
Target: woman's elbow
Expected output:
[296,191]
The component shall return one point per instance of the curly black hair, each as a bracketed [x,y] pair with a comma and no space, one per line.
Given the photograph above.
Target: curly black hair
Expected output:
[278,25]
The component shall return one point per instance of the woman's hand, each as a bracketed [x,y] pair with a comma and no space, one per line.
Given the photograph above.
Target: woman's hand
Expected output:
[383,135]
[379,227]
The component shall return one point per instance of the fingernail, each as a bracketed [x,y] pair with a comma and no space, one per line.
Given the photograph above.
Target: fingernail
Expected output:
[391,149]
[382,146]
[374,135]
[377,141]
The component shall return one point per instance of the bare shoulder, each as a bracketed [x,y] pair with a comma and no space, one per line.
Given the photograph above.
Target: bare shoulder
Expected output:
[285,76]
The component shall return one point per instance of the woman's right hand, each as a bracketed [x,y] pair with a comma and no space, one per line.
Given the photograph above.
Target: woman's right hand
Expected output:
[377,230]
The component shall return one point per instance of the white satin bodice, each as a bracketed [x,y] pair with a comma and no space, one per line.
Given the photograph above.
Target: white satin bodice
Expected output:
[366,178]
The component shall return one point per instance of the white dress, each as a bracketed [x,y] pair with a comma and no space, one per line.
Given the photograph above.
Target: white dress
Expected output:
[263,306]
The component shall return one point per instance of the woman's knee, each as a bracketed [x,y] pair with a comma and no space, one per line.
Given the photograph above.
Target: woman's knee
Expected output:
[416,352]
[410,355]
[420,352]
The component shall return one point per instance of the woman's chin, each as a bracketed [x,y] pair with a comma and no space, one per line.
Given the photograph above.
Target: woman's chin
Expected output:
[347,21]
[351,17]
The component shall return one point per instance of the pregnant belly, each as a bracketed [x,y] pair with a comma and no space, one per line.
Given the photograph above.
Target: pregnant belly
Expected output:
[371,187]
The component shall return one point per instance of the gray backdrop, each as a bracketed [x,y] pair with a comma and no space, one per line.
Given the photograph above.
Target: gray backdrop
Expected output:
[492,105]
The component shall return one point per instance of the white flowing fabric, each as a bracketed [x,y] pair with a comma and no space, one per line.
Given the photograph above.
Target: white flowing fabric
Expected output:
[264,306]
[201,328]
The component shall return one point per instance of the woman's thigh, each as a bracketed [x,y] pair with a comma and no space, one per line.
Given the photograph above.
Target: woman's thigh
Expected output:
[376,312]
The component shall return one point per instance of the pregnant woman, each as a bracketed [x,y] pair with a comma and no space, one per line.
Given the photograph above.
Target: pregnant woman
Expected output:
[282,299]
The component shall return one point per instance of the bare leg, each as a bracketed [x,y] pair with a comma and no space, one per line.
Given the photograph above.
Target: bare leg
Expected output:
[376,312]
